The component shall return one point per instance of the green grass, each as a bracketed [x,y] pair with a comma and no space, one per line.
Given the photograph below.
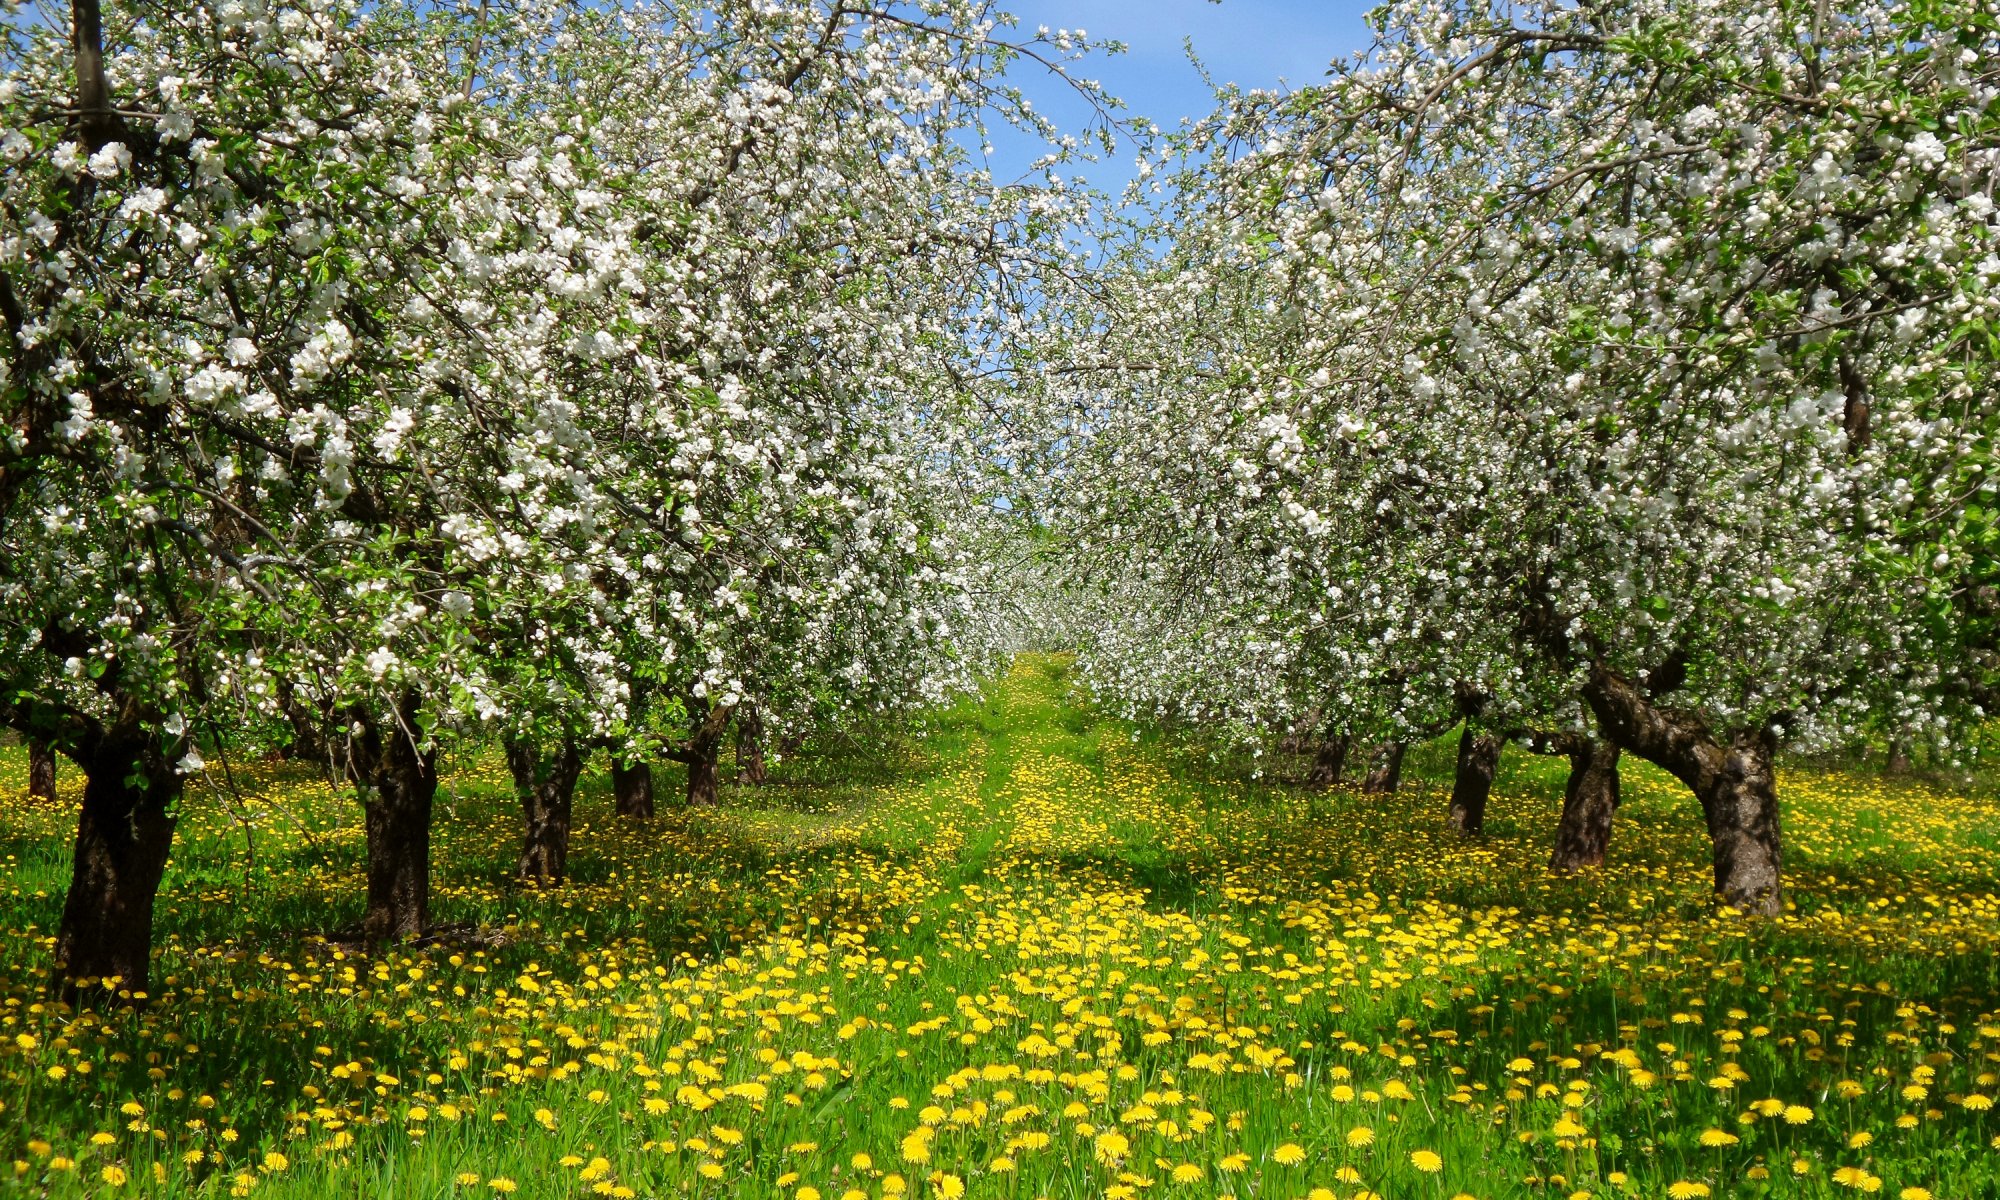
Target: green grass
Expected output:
[1087,960]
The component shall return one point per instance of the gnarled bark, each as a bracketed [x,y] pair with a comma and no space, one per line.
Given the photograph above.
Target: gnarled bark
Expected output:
[41,769]
[123,837]
[1732,775]
[1385,772]
[1329,760]
[750,745]
[1590,800]
[398,784]
[632,788]
[546,787]
[703,751]
[1472,784]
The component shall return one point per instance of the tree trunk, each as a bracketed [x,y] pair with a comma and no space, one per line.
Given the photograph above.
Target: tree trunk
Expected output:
[704,784]
[398,783]
[1589,802]
[1385,774]
[1329,760]
[1733,779]
[704,749]
[1478,759]
[308,744]
[546,786]
[1898,762]
[41,769]
[123,837]
[750,744]
[633,788]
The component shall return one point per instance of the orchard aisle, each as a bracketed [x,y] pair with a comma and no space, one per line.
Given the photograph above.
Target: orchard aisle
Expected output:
[1031,956]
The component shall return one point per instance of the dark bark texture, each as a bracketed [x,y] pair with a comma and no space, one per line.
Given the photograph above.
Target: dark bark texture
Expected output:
[1590,800]
[703,752]
[398,784]
[750,745]
[1472,784]
[123,837]
[545,783]
[632,788]
[1385,771]
[1329,761]
[1732,775]
[41,770]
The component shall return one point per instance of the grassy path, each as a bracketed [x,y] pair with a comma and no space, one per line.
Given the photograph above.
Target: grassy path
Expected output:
[1031,954]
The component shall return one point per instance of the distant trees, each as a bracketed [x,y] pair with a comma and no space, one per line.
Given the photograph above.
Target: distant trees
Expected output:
[1634,355]
[387,376]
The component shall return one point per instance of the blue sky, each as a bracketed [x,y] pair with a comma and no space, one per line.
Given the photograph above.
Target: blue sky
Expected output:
[1251,42]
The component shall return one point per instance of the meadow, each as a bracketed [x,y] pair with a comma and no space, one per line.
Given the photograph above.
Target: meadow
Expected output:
[1025,952]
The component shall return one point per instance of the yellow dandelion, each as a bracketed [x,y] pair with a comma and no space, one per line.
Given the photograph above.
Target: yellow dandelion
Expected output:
[1360,1136]
[1291,1154]
[115,1176]
[1426,1161]
[1682,1189]
[1718,1137]
[1797,1114]
[1188,1173]
[501,1184]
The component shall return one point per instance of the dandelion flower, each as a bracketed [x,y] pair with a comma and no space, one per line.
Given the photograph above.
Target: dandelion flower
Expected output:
[1291,1154]
[1682,1189]
[1188,1173]
[501,1184]
[1718,1137]
[1797,1114]
[115,1176]
[1360,1136]
[1426,1161]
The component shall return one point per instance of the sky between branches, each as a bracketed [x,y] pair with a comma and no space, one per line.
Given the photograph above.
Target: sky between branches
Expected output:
[1254,43]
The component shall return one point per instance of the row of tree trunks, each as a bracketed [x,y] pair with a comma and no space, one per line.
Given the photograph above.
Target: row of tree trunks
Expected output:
[1731,775]
[545,783]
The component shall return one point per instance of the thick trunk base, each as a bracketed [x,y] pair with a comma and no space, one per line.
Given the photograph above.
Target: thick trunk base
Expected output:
[1472,784]
[546,786]
[1734,780]
[398,784]
[123,837]
[1590,800]
[704,782]
[41,770]
[1741,803]
[632,789]
[1385,774]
